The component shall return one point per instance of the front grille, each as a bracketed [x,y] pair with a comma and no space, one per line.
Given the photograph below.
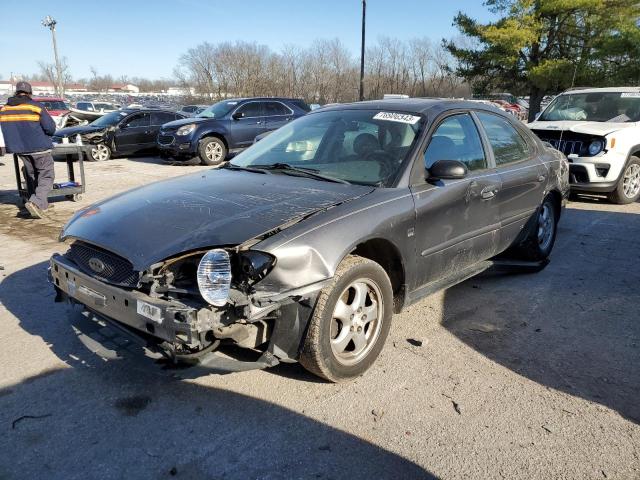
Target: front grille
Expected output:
[566,146]
[165,139]
[103,265]
[567,142]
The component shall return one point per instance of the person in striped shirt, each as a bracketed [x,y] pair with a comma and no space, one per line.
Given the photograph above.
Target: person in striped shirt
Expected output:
[27,128]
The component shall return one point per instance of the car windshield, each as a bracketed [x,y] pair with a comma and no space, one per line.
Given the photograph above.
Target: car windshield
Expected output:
[366,147]
[55,105]
[594,107]
[109,119]
[217,110]
[104,106]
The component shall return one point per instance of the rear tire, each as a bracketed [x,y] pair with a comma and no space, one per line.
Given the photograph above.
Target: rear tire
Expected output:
[212,151]
[628,188]
[350,323]
[539,243]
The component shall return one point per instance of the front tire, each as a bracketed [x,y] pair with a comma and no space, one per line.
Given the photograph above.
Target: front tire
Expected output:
[628,188]
[212,151]
[350,323]
[100,152]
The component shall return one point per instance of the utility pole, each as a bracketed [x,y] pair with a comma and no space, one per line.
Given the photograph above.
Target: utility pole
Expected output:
[50,23]
[364,13]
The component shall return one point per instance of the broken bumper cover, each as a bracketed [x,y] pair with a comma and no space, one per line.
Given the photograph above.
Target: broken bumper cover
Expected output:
[169,321]
[174,322]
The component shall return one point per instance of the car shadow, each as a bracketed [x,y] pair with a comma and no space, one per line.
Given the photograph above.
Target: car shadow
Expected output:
[121,416]
[572,327]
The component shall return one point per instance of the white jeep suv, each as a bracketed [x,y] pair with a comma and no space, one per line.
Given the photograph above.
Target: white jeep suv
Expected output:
[599,131]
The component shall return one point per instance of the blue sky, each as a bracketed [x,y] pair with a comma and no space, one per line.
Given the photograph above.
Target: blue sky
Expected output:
[137,38]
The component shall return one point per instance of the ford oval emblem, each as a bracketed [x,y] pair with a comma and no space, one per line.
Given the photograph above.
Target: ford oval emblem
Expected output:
[96,265]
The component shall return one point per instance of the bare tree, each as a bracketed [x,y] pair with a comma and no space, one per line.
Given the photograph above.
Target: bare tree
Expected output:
[48,71]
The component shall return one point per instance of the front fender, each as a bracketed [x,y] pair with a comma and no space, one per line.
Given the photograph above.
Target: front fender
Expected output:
[309,252]
[209,130]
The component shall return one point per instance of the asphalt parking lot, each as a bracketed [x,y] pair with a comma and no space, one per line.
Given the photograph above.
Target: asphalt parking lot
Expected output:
[503,376]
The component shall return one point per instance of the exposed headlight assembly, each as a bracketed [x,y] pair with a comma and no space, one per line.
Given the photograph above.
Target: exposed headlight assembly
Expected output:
[214,277]
[186,129]
[595,147]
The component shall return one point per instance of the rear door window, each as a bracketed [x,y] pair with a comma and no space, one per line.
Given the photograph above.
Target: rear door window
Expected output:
[507,144]
[276,109]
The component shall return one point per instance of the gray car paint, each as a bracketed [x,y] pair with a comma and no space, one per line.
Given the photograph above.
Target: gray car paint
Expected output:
[214,208]
[432,229]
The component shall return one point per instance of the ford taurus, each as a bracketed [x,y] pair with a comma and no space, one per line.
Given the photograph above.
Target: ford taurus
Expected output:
[306,244]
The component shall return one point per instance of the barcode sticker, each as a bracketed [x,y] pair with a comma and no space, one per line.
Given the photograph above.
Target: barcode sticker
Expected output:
[397,117]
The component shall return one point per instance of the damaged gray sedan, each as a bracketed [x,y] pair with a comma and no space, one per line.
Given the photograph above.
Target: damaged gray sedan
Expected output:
[303,246]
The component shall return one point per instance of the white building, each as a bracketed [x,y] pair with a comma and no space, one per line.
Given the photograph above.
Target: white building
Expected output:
[123,88]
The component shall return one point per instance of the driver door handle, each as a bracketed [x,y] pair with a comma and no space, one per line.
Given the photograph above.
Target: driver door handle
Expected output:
[488,192]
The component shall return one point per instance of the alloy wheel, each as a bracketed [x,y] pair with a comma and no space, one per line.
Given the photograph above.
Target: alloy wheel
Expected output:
[546,226]
[213,151]
[631,181]
[100,152]
[356,321]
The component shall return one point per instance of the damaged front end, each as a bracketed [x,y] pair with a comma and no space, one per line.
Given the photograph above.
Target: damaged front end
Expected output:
[187,305]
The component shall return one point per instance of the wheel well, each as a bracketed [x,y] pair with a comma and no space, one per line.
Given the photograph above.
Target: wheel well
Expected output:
[218,136]
[385,254]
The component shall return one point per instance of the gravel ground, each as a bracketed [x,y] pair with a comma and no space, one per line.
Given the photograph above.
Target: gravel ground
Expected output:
[517,376]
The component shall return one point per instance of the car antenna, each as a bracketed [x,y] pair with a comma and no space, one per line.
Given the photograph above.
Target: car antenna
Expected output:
[573,82]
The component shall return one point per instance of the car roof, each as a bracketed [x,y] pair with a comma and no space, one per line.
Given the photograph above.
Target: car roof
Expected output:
[48,99]
[602,90]
[244,99]
[137,110]
[412,105]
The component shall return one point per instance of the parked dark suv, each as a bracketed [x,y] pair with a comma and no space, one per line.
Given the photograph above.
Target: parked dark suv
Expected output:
[122,132]
[226,127]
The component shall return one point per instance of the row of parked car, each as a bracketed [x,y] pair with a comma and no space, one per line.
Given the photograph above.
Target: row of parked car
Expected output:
[218,131]
[597,129]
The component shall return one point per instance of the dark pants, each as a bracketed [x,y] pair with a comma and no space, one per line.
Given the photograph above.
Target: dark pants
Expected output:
[39,171]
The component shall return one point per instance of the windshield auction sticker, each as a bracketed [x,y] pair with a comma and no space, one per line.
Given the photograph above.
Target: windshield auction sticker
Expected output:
[397,117]
[630,95]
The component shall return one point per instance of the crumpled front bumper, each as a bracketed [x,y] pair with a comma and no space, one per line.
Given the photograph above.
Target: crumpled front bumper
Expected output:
[169,321]
[177,323]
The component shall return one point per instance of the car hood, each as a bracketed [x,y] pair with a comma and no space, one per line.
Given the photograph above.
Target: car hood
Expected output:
[187,121]
[82,130]
[590,128]
[203,210]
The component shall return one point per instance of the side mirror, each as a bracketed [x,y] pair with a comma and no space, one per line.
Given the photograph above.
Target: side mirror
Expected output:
[237,115]
[447,170]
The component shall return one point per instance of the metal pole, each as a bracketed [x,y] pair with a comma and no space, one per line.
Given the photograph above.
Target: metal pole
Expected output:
[58,67]
[364,13]
[50,23]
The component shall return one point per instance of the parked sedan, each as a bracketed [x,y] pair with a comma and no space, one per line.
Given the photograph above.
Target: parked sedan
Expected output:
[304,245]
[226,127]
[122,132]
